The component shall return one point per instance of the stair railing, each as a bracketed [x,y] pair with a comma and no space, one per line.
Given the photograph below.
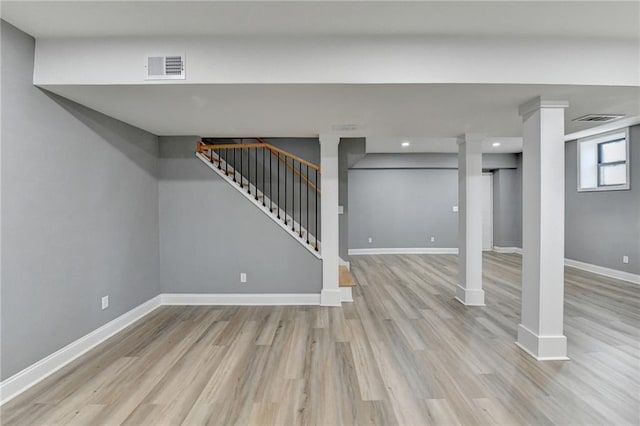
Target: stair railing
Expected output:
[251,165]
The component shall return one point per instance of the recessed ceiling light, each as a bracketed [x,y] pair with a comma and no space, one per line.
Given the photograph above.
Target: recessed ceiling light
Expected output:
[495,144]
[406,143]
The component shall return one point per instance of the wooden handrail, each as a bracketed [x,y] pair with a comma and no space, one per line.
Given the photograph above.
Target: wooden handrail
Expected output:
[204,147]
[289,217]
[290,166]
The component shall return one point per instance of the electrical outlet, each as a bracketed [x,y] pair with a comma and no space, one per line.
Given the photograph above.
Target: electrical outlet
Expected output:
[370,240]
[455,209]
[243,277]
[105,302]
[625,259]
[433,239]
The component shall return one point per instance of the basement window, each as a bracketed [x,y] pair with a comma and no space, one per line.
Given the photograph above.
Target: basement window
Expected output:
[603,162]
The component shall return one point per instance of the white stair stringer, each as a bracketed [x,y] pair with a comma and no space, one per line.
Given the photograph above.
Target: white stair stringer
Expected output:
[258,203]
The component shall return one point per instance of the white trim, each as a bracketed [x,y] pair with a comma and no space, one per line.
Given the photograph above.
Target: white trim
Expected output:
[490,175]
[470,296]
[595,269]
[615,125]
[601,270]
[346,295]
[331,297]
[539,358]
[498,249]
[264,209]
[344,263]
[329,219]
[266,299]
[542,348]
[21,381]
[539,103]
[415,250]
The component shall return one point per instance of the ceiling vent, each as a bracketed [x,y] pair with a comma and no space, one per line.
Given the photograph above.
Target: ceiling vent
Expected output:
[599,118]
[168,67]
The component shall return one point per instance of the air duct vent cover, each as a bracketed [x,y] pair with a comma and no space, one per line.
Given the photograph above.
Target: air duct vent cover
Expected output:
[599,118]
[165,67]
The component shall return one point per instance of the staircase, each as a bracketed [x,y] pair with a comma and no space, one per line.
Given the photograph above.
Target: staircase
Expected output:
[282,185]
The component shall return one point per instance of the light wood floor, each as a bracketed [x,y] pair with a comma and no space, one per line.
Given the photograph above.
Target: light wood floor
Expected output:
[405,352]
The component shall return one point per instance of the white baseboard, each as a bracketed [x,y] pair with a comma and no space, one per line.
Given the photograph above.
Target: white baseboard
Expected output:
[470,297]
[346,295]
[542,348]
[21,381]
[595,269]
[507,249]
[331,297]
[266,299]
[343,262]
[415,250]
[601,270]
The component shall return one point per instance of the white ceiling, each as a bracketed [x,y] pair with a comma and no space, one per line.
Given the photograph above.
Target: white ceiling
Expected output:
[494,145]
[431,116]
[433,111]
[603,19]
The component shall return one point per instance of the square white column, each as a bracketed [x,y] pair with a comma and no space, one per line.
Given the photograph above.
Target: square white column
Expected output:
[469,290]
[329,242]
[541,330]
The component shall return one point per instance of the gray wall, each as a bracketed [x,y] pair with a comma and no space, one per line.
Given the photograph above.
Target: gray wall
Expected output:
[507,206]
[603,226]
[209,234]
[403,208]
[402,200]
[79,214]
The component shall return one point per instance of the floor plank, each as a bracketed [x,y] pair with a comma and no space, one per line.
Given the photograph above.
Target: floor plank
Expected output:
[405,352]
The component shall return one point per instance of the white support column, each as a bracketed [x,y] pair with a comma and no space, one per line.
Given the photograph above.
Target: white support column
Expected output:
[541,330]
[329,244]
[469,290]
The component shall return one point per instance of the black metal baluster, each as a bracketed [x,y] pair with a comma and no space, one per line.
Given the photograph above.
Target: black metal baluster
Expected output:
[316,210]
[226,161]
[235,169]
[307,204]
[278,185]
[241,175]
[211,156]
[264,166]
[293,195]
[249,171]
[255,152]
[300,195]
[285,189]
[270,182]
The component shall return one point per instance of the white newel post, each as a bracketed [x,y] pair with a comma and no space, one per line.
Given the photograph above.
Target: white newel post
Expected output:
[540,332]
[329,244]
[469,290]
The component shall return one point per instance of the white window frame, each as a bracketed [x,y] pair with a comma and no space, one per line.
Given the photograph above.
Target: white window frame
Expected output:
[592,143]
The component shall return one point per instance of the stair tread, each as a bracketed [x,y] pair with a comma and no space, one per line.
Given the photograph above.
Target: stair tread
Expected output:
[345,277]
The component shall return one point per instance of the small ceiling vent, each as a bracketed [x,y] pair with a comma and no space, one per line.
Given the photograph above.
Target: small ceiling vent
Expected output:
[168,67]
[599,118]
